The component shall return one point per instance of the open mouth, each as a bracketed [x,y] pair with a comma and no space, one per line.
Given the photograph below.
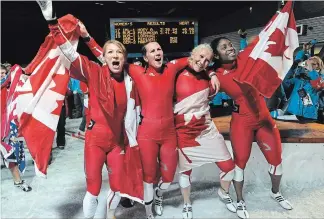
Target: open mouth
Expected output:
[231,53]
[116,64]
[199,65]
[158,59]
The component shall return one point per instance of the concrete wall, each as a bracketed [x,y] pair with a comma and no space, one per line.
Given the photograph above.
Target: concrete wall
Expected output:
[303,167]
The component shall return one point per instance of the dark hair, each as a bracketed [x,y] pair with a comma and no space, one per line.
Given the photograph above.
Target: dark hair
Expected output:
[214,44]
[143,50]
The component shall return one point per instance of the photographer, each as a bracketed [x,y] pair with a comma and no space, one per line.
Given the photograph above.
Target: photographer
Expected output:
[307,51]
[304,99]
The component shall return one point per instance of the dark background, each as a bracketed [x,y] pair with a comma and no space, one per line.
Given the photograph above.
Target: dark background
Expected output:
[23,27]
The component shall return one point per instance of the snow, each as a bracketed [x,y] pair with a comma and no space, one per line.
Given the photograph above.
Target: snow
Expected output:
[61,194]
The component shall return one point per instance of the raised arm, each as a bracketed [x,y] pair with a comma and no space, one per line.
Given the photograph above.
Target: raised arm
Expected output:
[91,43]
[81,64]
[179,64]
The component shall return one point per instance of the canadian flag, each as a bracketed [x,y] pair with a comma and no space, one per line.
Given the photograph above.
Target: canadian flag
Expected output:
[270,55]
[8,114]
[40,98]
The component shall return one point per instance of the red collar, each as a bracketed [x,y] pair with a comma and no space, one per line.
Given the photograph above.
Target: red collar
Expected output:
[152,70]
[229,66]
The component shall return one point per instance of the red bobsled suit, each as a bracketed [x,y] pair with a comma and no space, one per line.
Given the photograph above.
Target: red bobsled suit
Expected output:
[250,119]
[156,134]
[105,136]
[199,141]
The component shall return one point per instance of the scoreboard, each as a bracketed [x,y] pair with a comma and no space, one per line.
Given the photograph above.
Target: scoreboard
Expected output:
[177,37]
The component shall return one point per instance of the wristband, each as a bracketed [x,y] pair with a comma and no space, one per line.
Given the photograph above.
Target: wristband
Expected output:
[211,74]
[87,38]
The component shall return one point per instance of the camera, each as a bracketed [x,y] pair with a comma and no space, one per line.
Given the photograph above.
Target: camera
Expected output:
[302,93]
[302,64]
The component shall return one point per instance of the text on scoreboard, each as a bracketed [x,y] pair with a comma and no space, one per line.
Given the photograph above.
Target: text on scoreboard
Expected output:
[174,35]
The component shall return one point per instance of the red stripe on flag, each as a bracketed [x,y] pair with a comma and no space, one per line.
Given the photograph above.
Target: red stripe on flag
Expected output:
[39,139]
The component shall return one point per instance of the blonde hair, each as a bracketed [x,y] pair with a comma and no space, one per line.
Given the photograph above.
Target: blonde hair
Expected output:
[319,61]
[199,47]
[116,43]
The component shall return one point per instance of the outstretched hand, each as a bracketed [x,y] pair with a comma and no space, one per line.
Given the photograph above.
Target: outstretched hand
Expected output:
[47,9]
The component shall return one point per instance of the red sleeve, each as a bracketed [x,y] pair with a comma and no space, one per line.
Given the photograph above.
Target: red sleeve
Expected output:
[135,70]
[96,49]
[81,64]
[317,84]
[179,64]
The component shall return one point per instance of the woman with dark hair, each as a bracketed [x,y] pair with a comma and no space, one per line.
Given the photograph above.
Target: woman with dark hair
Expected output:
[156,133]
[250,121]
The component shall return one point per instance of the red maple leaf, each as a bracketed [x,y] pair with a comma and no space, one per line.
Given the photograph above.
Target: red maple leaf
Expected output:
[61,82]
[57,110]
[20,83]
[37,79]
[279,47]
[187,133]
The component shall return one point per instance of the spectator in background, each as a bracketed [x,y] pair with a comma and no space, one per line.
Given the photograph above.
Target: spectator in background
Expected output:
[321,106]
[78,98]
[3,72]
[301,56]
[275,103]
[306,52]
[318,85]
[7,66]
[221,105]
[137,61]
[243,42]
[304,99]
[12,150]
[85,108]
[60,137]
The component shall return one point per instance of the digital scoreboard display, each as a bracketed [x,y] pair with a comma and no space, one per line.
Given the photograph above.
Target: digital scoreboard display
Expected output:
[177,37]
